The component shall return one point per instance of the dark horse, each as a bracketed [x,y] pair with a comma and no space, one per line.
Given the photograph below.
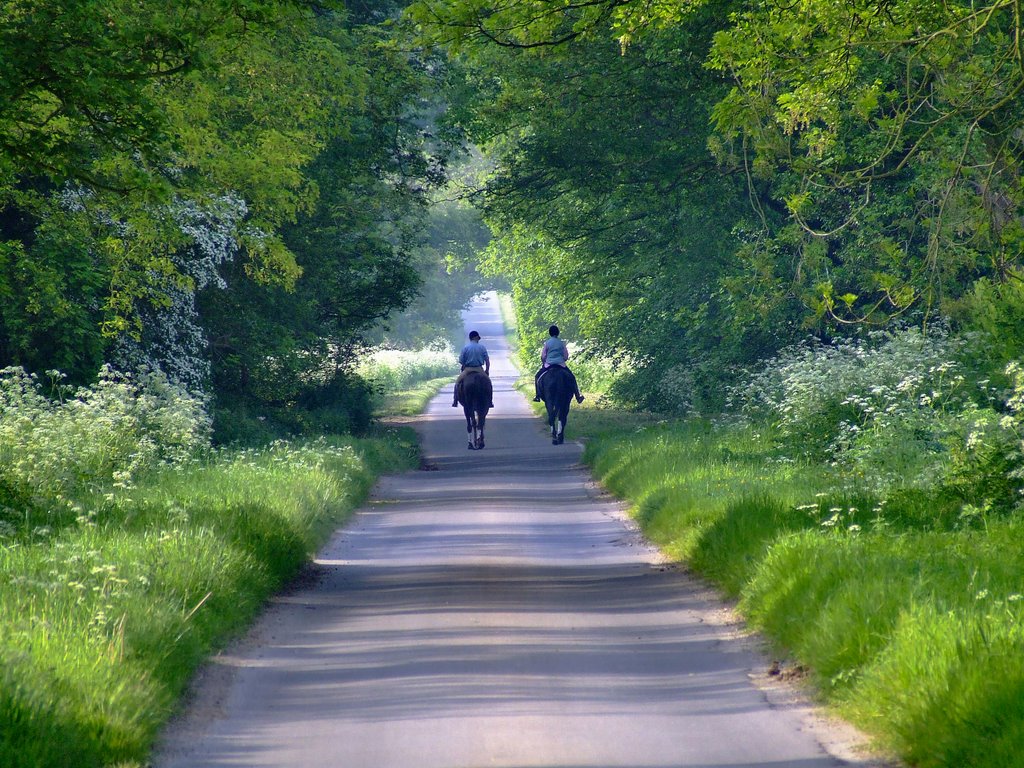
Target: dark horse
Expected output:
[557,390]
[475,396]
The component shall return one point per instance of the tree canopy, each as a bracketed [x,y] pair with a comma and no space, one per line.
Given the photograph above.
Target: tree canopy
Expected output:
[702,182]
[240,191]
[233,191]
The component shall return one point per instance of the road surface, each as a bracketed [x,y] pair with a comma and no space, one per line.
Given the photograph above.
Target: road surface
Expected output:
[491,610]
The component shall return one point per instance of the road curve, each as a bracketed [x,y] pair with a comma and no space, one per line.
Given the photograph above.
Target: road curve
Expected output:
[493,610]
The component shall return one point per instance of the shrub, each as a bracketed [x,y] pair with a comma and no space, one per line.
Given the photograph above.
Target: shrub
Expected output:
[992,315]
[886,410]
[90,440]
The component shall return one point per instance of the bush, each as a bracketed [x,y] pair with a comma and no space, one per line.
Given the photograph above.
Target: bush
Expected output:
[87,440]
[341,406]
[390,370]
[886,411]
[992,315]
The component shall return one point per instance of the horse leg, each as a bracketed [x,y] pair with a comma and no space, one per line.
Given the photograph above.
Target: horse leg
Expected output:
[480,438]
[563,417]
[470,436]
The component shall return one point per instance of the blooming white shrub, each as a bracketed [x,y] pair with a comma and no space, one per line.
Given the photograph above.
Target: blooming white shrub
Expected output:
[390,370]
[173,338]
[93,439]
[885,408]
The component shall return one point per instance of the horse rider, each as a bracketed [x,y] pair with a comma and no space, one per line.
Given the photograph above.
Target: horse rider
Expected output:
[554,352]
[473,357]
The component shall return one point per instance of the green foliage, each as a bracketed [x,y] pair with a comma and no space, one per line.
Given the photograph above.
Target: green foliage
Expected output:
[61,448]
[342,404]
[103,622]
[908,621]
[248,174]
[991,316]
[273,349]
[862,165]
[829,398]
[892,139]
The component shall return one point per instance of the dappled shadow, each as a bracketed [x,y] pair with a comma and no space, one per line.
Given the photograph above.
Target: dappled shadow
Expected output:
[588,648]
[585,653]
[494,612]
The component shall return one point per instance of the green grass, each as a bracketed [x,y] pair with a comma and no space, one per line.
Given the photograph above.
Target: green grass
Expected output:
[909,625]
[511,321]
[103,622]
[393,370]
[411,401]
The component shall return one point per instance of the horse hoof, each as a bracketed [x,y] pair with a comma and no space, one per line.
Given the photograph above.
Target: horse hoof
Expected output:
[470,447]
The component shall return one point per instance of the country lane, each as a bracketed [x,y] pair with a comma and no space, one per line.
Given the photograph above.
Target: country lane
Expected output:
[492,609]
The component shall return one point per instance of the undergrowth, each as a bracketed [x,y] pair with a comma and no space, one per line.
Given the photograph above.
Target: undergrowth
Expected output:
[906,612]
[103,621]
[130,549]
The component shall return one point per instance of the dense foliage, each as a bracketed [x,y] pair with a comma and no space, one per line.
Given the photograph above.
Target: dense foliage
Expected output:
[130,548]
[233,193]
[700,184]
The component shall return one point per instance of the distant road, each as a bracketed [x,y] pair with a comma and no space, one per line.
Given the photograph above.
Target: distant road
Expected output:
[495,611]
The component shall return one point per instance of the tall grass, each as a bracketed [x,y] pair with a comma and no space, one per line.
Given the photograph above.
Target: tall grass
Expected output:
[908,619]
[404,381]
[393,370]
[103,622]
[129,549]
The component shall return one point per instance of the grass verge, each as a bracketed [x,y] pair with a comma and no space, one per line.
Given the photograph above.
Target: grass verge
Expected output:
[104,621]
[910,625]
[413,400]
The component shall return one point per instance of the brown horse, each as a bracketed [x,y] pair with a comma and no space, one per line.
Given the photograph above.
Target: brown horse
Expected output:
[475,396]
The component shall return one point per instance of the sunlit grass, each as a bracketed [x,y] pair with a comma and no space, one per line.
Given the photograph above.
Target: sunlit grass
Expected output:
[102,623]
[510,320]
[908,625]
[394,370]
[412,400]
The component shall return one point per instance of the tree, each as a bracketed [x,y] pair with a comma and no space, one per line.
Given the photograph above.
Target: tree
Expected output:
[892,135]
[607,206]
[276,346]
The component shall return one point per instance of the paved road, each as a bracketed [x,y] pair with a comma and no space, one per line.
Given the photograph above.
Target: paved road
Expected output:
[495,611]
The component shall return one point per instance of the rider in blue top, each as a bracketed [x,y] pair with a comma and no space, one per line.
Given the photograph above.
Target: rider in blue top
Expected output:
[473,357]
[474,354]
[554,352]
